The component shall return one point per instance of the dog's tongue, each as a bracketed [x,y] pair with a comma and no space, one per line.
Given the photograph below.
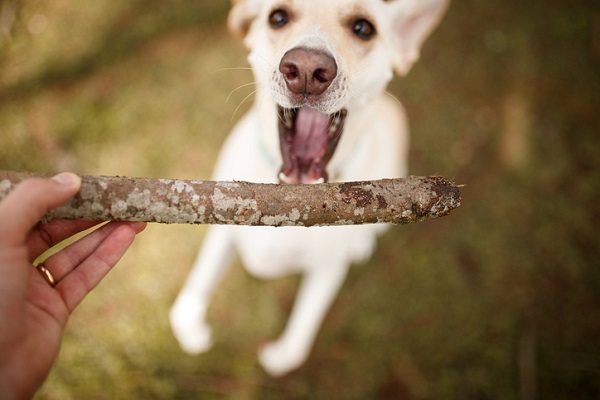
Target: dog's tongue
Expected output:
[307,144]
[311,135]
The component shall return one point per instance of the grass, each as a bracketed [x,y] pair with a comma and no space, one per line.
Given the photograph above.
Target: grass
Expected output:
[500,300]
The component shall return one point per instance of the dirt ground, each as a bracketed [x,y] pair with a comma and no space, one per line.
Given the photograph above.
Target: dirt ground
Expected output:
[499,300]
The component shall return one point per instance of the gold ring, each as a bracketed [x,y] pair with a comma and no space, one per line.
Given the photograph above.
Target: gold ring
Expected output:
[46,274]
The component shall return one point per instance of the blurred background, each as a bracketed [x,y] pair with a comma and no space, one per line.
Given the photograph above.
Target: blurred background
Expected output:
[499,300]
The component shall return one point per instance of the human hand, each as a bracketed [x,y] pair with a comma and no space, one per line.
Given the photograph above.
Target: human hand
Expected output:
[33,314]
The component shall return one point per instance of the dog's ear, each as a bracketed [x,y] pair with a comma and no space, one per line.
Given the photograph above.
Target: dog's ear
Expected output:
[414,20]
[242,13]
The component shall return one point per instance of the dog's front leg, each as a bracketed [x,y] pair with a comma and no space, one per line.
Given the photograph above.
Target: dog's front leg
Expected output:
[188,314]
[317,291]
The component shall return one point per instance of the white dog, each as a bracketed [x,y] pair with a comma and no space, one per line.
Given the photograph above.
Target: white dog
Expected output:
[321,113]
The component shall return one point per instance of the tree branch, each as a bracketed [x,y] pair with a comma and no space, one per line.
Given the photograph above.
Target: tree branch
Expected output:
[397,201]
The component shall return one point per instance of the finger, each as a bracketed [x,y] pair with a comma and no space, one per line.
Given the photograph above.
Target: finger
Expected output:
[63,262]
[45,236]
[29,201]
[77,284]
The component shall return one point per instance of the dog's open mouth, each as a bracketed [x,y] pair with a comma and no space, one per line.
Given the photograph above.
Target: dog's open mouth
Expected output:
[308,139]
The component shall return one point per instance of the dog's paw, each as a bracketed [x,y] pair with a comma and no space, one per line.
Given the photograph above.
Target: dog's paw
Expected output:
[279,358]
[187,323]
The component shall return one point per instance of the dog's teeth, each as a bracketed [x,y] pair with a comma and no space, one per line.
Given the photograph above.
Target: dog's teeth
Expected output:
[288,120]
[335,123]
[320,180]
[284,178]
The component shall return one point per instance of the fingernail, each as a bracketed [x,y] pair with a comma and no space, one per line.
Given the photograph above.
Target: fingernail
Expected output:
[67,179]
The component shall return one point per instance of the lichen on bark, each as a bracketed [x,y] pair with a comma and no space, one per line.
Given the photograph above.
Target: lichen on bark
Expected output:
[397,201]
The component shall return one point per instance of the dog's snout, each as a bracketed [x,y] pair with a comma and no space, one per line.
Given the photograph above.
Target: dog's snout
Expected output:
[307,71]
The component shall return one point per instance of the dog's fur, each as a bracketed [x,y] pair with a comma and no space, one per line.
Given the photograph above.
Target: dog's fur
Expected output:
[373,145]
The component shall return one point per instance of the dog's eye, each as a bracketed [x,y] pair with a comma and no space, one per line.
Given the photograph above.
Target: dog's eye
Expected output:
[278,19]
[363,29]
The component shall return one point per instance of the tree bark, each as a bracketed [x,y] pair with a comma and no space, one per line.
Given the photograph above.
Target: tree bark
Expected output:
[171,201]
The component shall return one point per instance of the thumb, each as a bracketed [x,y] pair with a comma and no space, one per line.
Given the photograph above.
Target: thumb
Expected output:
[30,200]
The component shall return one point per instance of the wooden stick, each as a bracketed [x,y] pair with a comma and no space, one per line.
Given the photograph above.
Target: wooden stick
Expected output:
[170,201]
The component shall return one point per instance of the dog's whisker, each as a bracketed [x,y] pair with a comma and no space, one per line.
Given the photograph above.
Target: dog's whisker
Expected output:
[242,102]
[238,88]
[234,69]
[266,70]
[393,97]
[361,69]
[363,100]
[284,115]
[265,60]
[262,98]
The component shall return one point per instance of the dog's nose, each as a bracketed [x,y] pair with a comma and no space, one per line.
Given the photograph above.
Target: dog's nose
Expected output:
[307,71]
